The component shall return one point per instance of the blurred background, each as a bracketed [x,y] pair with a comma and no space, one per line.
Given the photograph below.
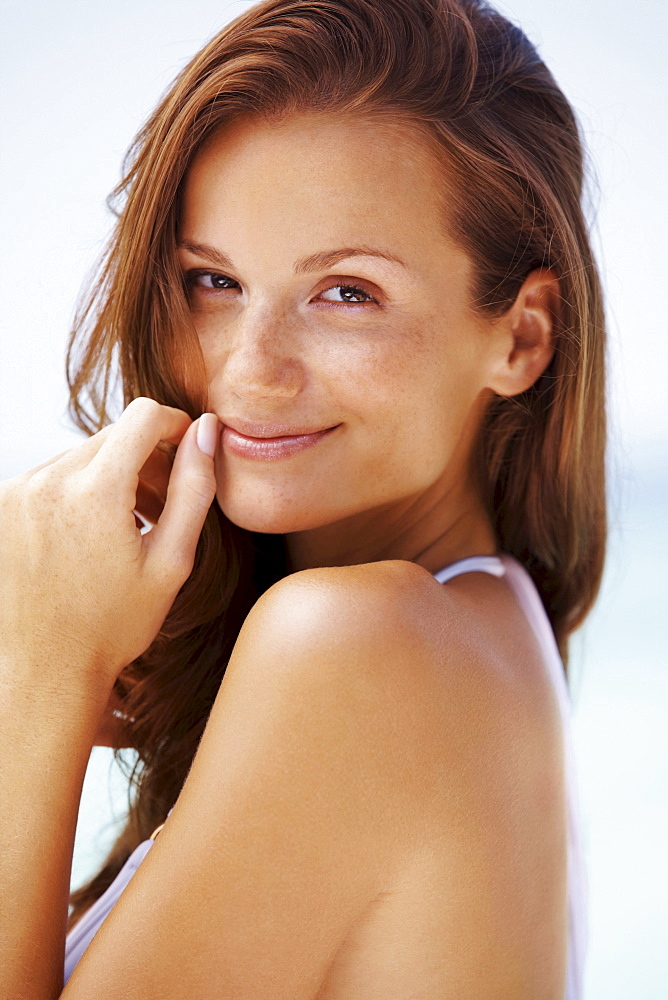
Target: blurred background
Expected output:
[77,81]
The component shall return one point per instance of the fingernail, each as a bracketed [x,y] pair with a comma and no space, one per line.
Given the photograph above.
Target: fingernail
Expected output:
[207,433]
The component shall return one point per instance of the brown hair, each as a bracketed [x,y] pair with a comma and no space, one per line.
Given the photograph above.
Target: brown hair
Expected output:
[473,85]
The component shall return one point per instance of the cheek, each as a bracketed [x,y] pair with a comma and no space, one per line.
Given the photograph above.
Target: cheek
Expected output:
[210,335]
[385,369]
[395,389]
[415,395]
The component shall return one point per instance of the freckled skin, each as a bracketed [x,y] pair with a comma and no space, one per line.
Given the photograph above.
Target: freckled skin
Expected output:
[407,378]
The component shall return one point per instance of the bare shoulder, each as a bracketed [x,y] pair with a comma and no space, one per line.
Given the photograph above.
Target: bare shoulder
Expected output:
[374,583]
[379,626]
[469,633]
[345,605]
[366,632]
[456,668]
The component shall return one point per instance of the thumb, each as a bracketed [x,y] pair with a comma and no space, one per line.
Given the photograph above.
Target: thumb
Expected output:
[190,492]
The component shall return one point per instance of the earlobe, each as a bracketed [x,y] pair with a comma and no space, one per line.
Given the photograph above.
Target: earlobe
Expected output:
[526,334]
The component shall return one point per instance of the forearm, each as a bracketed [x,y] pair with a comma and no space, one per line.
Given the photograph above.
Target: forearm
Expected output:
[45,742]
[82,594]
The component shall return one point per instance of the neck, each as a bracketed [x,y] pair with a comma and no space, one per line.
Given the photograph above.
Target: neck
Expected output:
[432,529]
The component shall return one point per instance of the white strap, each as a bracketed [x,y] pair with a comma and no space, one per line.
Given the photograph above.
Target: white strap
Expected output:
[481,564]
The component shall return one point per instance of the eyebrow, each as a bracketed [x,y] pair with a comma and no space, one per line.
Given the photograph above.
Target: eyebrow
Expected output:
[314,262]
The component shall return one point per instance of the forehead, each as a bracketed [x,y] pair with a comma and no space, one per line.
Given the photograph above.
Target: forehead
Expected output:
[350,140]
[358,173]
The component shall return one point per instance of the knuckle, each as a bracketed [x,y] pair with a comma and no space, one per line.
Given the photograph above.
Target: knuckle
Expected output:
[42,485]
[86,492]
[100,435]
[143,405]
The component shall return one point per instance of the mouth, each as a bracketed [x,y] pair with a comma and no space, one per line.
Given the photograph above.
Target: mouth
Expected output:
[267,442]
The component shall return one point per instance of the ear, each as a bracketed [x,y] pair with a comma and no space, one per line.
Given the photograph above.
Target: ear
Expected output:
[524,334]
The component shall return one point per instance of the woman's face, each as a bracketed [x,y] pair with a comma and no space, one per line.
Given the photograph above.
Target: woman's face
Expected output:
[301,329]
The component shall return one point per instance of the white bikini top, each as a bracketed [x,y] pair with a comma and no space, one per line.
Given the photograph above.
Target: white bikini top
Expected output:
[527,596]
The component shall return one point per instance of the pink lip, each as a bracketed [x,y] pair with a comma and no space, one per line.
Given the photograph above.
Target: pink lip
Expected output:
[268,448]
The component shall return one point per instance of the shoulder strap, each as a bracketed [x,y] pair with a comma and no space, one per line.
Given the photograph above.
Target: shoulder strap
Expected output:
[473,564]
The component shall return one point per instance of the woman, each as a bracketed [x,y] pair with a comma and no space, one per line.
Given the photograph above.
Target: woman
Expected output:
[351,296]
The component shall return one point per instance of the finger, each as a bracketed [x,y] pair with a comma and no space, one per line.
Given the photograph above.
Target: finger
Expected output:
[134,436]
[192,487]
[44,465]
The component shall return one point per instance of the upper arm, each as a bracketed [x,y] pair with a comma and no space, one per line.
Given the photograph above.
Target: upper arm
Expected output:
[292,818]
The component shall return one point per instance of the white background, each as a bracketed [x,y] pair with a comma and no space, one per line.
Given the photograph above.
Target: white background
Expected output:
[78,80]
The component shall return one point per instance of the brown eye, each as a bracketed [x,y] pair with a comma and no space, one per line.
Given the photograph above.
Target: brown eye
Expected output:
[209,280]
[351,295]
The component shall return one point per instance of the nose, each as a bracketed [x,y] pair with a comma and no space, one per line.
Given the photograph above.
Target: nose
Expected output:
[261,359]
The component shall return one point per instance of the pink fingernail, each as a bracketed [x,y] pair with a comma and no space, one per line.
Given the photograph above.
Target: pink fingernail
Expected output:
[207,433]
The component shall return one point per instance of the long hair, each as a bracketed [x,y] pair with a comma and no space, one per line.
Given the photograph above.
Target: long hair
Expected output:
[512,161]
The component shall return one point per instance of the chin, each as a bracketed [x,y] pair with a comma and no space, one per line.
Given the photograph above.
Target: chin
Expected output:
[272,519]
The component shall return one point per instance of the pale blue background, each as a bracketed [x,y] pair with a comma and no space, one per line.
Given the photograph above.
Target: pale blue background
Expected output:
[77,81]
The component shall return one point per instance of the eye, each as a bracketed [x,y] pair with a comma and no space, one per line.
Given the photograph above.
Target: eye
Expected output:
[347,290]
[209,281]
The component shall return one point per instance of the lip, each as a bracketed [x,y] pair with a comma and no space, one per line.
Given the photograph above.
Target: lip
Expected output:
[268,442]
[253,429]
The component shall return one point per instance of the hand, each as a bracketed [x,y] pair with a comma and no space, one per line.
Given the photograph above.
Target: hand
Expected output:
[82,590]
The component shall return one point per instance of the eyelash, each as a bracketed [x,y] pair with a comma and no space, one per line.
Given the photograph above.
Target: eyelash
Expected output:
[192,275]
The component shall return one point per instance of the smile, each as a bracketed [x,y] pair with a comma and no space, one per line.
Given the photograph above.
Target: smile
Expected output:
[270,448]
